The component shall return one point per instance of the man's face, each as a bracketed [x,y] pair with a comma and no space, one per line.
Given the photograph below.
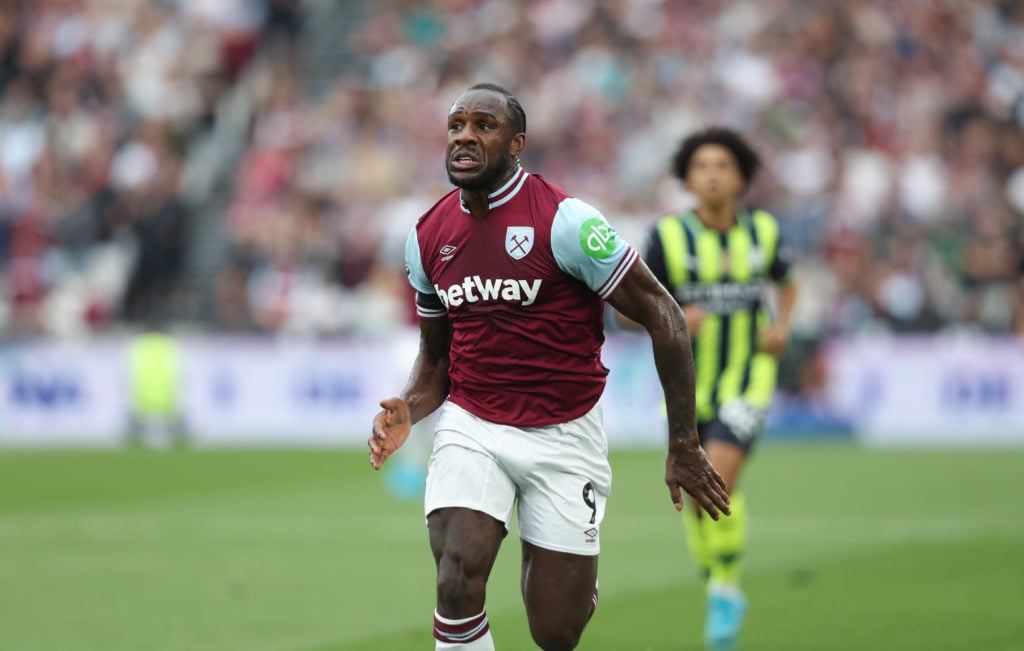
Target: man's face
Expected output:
[713,175]
[481,145]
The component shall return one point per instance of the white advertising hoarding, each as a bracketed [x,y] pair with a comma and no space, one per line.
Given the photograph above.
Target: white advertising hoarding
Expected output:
[634,413]
[915,391]
[71,393]
[930,391]
[289,392]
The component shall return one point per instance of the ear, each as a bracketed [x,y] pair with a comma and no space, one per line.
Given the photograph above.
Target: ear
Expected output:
[518,144]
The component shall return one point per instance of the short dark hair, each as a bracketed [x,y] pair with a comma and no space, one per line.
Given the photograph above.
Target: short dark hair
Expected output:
[746,157]
[516,114]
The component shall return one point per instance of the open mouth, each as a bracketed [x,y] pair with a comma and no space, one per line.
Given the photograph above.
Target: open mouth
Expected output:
[463,161]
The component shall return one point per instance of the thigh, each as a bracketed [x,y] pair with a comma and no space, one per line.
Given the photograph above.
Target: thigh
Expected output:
[558,590]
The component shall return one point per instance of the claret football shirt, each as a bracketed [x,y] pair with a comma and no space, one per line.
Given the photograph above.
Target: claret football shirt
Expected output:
[524,290]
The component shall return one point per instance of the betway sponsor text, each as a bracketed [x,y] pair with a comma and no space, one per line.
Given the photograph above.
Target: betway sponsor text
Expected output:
[474,288]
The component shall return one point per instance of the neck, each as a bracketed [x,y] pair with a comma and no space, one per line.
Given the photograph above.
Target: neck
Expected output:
[720,216]
[478,200]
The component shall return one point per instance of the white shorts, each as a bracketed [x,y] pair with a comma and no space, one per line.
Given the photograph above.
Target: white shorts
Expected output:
[559,474]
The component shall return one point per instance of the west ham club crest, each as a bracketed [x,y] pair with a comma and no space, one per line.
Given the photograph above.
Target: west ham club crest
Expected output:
[518,241]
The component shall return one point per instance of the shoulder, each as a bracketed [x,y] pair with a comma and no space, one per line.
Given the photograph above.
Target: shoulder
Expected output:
[665,227]
[668,221]
[766,227]
[543,195]
[575,220]
[564,212]
[540,186]
[425,236]
[435,214]
[588,248]
[760,215]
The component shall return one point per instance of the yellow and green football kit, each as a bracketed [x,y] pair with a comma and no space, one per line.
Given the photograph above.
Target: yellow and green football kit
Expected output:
[725,273]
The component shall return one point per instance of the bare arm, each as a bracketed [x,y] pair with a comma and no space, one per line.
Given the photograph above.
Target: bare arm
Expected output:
[426,390]
[644,300]
[693,314]
[774,339]
[428,382]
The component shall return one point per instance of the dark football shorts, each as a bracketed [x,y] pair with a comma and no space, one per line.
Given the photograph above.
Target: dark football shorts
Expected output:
[716,430]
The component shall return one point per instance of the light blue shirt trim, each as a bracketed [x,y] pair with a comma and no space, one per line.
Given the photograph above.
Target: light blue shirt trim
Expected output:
[414,265]
[601,274]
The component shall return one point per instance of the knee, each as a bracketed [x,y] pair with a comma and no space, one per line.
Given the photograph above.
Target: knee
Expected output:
[562,637]
[461,588]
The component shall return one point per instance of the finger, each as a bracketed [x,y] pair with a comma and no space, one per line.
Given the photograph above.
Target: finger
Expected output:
[723,490]
[717,492]
[712,511]
[378,458]
[677,496]
[379,423]
[376,449]
[720,499]
[713,498]
[376,438]
[720,481]
[708,505]
[723,506]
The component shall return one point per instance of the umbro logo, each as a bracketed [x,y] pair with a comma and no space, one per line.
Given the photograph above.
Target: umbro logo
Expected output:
[591,534]
[447,252]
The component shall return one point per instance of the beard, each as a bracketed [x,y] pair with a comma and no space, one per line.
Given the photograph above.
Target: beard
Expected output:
[489,178]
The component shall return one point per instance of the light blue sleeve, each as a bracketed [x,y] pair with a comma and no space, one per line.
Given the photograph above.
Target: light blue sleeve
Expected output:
[587,247]
[414,265]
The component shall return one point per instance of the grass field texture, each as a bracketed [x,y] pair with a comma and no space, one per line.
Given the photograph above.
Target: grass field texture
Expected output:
[306,551]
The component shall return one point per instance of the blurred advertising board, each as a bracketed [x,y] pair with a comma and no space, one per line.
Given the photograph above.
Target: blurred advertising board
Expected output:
[950,390]
[63,393]
[906,391]
[253,391]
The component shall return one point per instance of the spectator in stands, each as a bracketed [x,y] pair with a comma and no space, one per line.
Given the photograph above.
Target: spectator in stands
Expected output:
[876,120]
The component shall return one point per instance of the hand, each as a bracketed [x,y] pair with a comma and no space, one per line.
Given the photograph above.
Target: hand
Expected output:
[390,429]
[773,339]
[687,467]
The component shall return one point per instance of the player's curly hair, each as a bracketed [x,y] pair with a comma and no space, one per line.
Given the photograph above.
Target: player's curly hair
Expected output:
[516,114]
[748,160]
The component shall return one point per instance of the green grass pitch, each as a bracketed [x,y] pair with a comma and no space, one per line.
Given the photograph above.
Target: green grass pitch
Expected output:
[275,550]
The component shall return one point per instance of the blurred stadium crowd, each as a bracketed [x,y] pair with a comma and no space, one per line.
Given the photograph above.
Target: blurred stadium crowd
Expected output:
[254,165]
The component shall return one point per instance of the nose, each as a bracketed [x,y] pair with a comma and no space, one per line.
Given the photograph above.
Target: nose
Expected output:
[466,134]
